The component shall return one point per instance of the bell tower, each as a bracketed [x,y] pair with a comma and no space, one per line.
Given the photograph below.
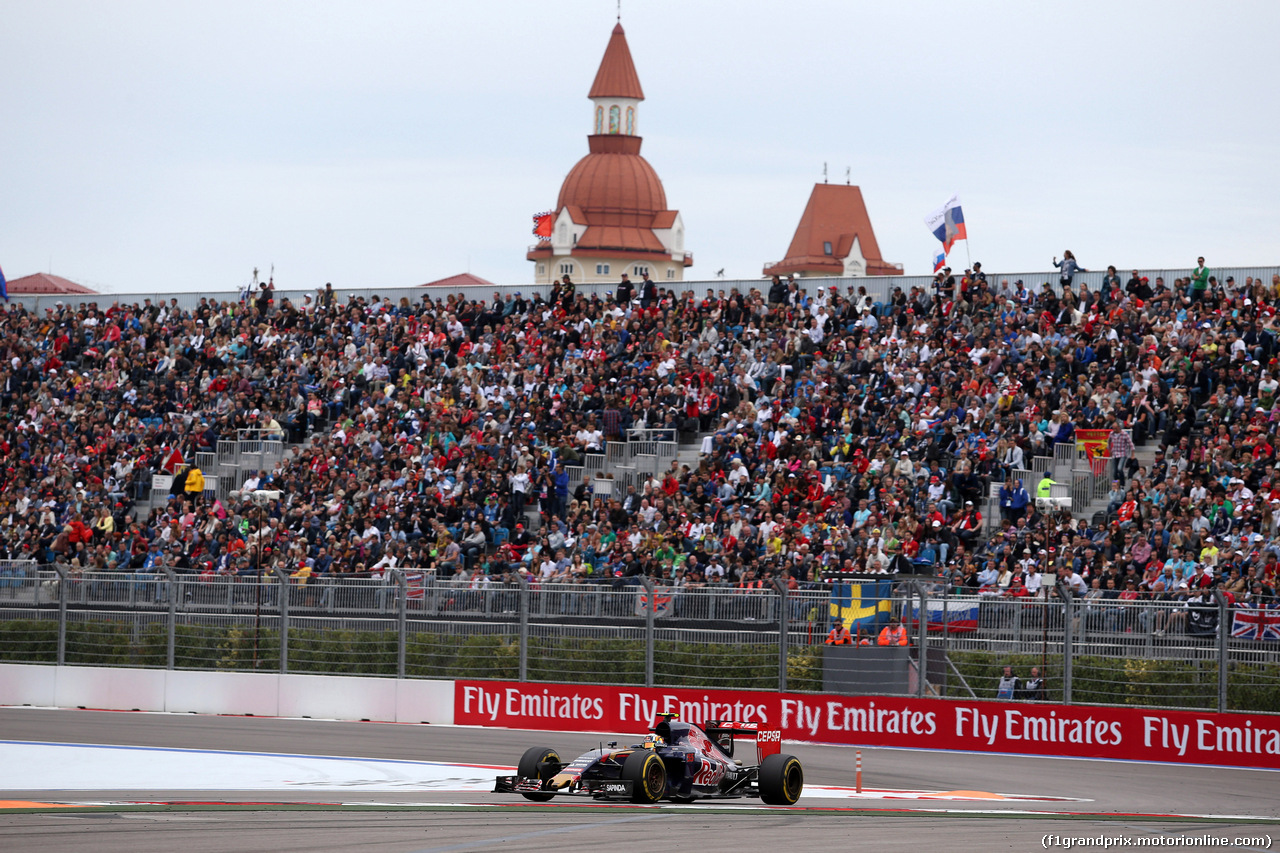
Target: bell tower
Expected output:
[612,215]
[616,94]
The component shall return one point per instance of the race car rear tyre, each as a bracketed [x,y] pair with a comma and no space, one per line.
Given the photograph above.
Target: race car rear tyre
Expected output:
[647,775]
[781,780]
[541,762]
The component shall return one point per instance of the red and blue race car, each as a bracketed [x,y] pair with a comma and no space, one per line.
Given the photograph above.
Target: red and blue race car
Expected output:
[677,761]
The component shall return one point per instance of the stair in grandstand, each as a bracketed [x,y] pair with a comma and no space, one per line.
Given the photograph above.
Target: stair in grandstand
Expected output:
[226,467]
[689,454]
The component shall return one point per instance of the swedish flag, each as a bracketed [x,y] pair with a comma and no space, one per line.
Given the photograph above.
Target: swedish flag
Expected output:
[866,605]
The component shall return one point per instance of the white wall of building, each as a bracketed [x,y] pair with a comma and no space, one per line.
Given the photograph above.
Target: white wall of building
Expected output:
[623,104]
[673,238]
[588,270]
[566,234]
[855,263]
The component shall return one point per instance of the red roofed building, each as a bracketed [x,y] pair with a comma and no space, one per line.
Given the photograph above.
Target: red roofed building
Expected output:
[45,283]
[611,216]
[834,238]
[462,279]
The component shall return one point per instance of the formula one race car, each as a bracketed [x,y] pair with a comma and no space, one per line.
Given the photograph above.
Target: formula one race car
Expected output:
[677,761]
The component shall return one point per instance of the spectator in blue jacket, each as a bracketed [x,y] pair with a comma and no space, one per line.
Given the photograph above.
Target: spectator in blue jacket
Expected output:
[1067,268]
[1013,500]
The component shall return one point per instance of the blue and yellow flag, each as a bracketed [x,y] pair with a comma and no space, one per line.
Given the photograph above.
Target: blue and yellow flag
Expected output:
[865,605]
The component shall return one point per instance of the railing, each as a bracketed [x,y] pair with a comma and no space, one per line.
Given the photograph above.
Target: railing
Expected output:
[1040,464]
[409,623]
[258,450]
[646,463]
[636,434]
[638,447]
[229,464]
[1064,454]
[616,453]
[592,464]
[1081,492]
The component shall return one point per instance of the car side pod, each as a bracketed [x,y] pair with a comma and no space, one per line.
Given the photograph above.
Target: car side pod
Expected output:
[647,774]
[781,779]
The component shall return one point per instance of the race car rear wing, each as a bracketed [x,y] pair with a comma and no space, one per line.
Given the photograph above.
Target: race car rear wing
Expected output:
[768,741]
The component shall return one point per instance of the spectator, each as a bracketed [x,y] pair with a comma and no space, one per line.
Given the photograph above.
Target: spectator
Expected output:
[1033,689]
[1067,268]
[1044,489]
[1199,284]
[1009,685]
[839,634]
[1014,500]
[450,413]
[892,634]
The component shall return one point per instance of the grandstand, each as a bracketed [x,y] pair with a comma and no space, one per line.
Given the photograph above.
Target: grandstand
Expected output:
[732,434]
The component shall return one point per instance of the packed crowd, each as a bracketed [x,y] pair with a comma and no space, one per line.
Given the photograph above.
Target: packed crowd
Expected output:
[844,435]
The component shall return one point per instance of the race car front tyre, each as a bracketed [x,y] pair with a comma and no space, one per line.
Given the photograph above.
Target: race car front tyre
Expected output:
[781,780]
[647,775]
[538,762]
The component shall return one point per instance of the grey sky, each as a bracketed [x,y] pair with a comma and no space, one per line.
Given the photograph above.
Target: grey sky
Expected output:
[175,145]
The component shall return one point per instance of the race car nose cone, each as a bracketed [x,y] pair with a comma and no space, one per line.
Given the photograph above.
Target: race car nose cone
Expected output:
[561,780]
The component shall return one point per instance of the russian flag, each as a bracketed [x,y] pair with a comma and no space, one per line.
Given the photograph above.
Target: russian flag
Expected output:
[4,287]
[939,261]
[953,616]
[947,223]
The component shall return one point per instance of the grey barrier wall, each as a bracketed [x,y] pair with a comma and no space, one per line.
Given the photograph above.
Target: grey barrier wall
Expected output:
[878,287]
[409,624]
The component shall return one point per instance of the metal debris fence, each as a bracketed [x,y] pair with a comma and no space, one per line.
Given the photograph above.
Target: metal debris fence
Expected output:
[410,624]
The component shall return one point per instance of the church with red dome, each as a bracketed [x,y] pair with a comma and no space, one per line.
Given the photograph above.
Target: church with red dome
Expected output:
[612,216]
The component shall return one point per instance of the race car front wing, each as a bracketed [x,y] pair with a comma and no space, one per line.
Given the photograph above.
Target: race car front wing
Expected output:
[599,788]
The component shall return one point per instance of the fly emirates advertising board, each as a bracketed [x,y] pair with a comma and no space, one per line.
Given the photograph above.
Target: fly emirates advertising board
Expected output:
[1237,740]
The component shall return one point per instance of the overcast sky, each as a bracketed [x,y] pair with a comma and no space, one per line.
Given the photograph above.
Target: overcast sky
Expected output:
[177,145]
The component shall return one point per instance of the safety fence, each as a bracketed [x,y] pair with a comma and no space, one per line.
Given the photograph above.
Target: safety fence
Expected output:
[1175,654]
[1095,650]
[408,623]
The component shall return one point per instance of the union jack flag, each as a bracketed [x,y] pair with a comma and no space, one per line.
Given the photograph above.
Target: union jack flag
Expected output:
[661,604]
[1254,622]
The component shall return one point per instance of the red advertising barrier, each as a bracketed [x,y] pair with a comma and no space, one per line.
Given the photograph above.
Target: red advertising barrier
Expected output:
[1190,737]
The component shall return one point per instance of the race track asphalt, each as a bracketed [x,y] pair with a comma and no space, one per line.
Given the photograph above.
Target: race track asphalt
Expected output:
[1112,796]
